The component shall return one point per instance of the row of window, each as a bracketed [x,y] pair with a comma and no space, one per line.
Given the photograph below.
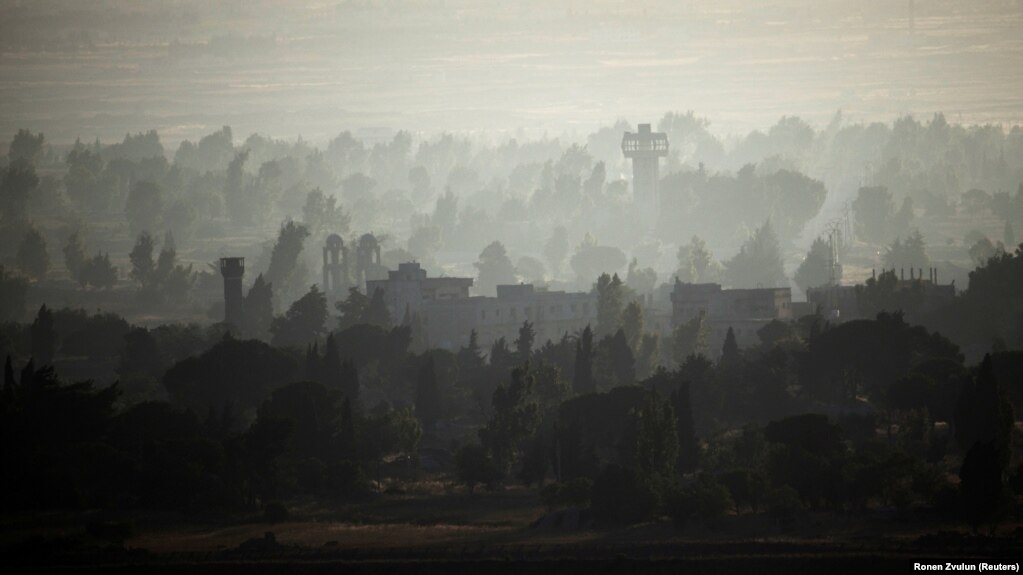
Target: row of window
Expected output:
[553,310]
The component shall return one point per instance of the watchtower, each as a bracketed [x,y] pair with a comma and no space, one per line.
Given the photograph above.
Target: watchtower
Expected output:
[233,269]
[645,148]
[335,267]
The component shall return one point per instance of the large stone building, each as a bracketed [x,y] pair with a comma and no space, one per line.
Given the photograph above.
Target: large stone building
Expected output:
[743,310]
[408,290]
[841,302]
[448,314]
[552,313]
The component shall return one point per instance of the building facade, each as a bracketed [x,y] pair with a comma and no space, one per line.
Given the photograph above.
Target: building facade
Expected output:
[842,303]
[449,315]
[743,310]
[408,289]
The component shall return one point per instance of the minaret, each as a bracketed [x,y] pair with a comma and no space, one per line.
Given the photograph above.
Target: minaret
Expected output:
[646,148]
[233,269]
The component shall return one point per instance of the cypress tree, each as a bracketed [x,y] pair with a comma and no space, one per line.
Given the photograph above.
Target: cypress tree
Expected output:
[28,374]
[582,381]
[730,349]
[623,363]
[984,415]
[332,372]
[524,343]
[312,362]
[44,337]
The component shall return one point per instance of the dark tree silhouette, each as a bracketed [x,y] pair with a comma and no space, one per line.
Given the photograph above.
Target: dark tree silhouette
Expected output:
[582,381]
[815,269]
[235,372]
[758,263]
[13,289]
[515,417]
[84,179]
[495,268]
[984,415]
[428,396]
[259,309]
[315,413]
[17,184]
[9,384]
[75,258]
[376,311]
[284,256]
[32,257]
[142,209]
[474,466]
[632,323]
[730,349]
[328,370]
[609,304]
[25,147]
[873,210]
[615,349]
[239,208]
[142,355]
[657,445]
[907,254]
[688,447]
[313,370]
[349,380]
[99,272]
[143,268]
[524,343]
[500,356]
[172,279]
[352,309]
[620,497]
[44,337]
[981,484]
[304,321]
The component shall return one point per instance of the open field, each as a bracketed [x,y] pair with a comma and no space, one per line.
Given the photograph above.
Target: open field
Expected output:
[462,532]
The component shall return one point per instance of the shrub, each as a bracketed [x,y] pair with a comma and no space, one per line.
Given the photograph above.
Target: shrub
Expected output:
[572,493]
[783,504]
[618,496]
[474,466]
[275,512]
[345,478]
[712,502]
[707,500]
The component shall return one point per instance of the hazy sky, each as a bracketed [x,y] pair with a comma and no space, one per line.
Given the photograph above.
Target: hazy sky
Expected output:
[100,68]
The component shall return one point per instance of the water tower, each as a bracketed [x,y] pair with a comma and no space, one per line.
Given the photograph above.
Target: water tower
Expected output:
[233,269]
[646,148]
